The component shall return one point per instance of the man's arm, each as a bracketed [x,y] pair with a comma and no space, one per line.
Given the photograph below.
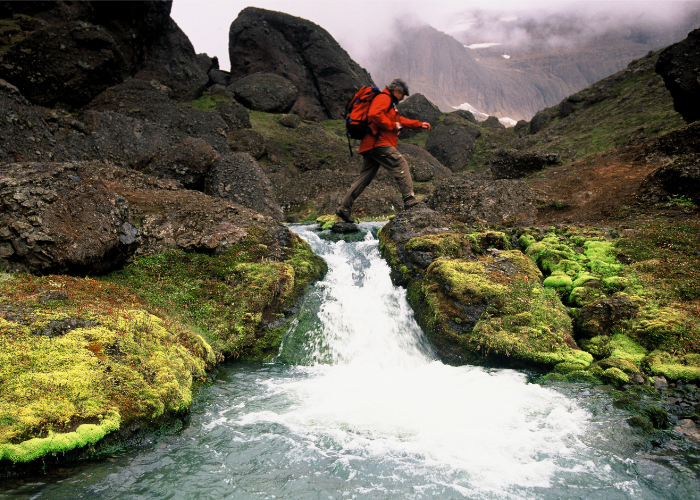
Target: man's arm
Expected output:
[413,124]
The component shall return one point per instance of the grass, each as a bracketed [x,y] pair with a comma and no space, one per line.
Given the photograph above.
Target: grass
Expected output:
[207,102]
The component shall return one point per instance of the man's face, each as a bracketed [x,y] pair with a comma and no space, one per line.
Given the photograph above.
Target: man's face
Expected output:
[397,93]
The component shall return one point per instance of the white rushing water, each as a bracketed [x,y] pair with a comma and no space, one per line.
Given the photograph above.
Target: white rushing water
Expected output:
[356,405]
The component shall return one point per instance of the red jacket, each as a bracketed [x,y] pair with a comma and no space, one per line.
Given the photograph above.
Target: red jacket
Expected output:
[382,119]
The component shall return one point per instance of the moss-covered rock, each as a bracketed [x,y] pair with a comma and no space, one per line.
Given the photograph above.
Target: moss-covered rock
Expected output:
[615,375]
[79,366]
[672,367]
[327,221]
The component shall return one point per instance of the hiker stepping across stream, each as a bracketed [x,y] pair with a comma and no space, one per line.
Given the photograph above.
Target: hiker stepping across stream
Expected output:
[373,117]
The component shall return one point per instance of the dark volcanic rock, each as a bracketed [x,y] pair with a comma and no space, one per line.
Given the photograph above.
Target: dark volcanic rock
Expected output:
[171,60]
[492,122]
[469,197]
[600,317]
[248,141]
[681,176]
[513,164]
[265,92]
[539,121]
[424,166]
[464,114]
[238,177]
[68,64]
[417,107]
[219,77]
[344,228]
[452,145]
[188,162]
[301,51]
[234,114]
[56,218]
[678,65]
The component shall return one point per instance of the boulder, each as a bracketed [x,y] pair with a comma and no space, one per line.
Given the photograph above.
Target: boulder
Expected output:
[265,92]
[680,176]
[188,162]
[418,107]
[678,66]
[219,77]
[452,145]
[520,127]
[464,115]
[469,127]
[248,141]
[58,218]
[234,114]
[238,177]
[513,164]
[539,121]
[301,51]
[289,121]
[476,197]
[66,64]
[493,122]
[171,60]
[602,316]
[478,301]
[424,166]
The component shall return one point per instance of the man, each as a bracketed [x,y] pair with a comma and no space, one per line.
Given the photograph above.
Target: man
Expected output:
[378,148]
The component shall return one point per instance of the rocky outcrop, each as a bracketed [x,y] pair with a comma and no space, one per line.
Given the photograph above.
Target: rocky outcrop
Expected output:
[494,123]
[188,162]
[476,197]
[513,164]
[679,177]
[238,177]
[452,145]
[417,107]
[603,316]
[678,65]
[478,301]
[67,64]
[300,51]
[172,61]
[265,92]
[56,218]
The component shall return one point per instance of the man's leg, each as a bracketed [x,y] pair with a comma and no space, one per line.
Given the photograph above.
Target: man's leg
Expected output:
[369,169]
[396,164]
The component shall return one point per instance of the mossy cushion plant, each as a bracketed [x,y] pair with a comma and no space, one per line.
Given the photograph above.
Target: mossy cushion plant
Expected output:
[76,369]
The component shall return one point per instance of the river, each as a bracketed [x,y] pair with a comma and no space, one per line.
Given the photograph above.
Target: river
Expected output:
[356,405]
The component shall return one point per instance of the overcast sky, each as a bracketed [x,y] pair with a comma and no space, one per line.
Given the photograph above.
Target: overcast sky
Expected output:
[360,26]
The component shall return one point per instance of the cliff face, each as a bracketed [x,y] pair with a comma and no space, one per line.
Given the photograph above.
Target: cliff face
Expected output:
[532,78]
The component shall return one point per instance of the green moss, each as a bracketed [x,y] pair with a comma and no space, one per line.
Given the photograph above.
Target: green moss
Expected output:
[619,363]
[583,376]
[672,367]
[665,328]
[582,278]
[615,375]
[107,363]
[558,282]
[623,347]
[526,240]
[658,417]
[602,259]
[440,245]
[207,102]
[568,367]
[598,346]
[326,221]
[615,283]
[641,423]
[583,295]
[481,241]
[230,296]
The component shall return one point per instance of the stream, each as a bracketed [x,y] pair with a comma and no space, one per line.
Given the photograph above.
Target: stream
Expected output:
[357,405]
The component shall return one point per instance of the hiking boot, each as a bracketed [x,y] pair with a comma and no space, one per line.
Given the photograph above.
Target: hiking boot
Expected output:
[411,202]
[344,214]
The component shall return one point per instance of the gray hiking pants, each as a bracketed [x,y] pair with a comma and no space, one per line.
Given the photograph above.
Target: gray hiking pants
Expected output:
[389,158]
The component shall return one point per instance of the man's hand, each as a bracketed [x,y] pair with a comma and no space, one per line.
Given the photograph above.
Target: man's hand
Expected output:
[425,125]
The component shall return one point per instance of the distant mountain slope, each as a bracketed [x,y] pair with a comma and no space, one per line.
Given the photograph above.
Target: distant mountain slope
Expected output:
[533,76]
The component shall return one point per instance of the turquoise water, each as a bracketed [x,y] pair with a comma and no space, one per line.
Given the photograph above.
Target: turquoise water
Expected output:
[357,406]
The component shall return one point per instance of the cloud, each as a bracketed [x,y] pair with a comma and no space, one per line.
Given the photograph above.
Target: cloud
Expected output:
[363,27]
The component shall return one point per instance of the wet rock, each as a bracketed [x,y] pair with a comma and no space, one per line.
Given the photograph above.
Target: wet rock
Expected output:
[68,64]
[688,429]
[474,197]
[300,51]
[81,225]
[600,317]
[513,164]
[266,92]
[452,145]
[344,228]
[678,65]
[238,177]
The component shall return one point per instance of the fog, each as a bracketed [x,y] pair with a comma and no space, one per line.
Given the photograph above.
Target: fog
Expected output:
[365,27]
